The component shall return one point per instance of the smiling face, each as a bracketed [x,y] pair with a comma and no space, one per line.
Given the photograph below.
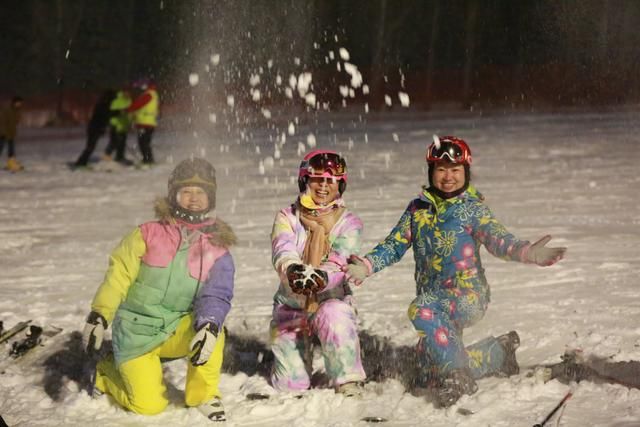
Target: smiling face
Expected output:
[323,190]
[448,177]
[193,198]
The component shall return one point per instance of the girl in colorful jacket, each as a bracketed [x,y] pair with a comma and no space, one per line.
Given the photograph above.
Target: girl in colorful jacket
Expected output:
[311,241]
[166,294]
[446,225]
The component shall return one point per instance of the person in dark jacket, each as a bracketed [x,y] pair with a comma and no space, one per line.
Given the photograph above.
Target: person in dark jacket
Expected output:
[9,120]
[97,126]
[166,294]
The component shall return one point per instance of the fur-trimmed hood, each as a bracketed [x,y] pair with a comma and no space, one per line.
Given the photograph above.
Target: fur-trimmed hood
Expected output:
[220,233]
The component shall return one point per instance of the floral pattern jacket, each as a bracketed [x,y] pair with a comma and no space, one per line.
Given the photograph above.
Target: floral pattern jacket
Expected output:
[446,236]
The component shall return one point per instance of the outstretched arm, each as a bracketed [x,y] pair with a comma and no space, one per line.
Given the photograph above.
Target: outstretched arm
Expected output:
[385,253]
[502,244]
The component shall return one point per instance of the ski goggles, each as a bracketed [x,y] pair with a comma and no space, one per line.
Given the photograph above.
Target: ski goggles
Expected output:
[324,163]
[448,150]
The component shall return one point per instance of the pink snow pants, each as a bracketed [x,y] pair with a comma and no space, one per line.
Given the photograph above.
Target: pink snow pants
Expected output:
[334,324]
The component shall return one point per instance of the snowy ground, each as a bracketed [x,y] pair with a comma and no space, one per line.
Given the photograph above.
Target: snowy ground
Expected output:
[566,174]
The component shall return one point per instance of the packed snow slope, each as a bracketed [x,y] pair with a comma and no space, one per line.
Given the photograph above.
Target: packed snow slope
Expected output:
[571,175]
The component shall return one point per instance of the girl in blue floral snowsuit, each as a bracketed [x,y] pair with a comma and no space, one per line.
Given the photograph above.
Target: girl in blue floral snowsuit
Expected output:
[446,225]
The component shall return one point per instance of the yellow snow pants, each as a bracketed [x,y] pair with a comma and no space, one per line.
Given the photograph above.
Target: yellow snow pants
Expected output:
[138,385]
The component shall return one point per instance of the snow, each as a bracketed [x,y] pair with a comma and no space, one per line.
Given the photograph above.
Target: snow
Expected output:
[568,174]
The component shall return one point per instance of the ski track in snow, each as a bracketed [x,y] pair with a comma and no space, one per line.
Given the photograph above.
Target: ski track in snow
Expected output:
[566,174]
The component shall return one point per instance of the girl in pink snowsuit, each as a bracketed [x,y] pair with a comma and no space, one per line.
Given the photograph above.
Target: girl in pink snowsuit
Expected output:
[311,240]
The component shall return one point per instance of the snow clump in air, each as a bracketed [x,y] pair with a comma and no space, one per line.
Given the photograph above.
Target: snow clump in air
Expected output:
[356,76]
[311,140]
[404,99]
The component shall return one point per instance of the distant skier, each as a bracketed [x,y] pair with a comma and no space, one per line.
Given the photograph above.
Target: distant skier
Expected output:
[446,225]
[9,120]
[166,294]
[119,125]
[97,126]
[311,240]
[145,109]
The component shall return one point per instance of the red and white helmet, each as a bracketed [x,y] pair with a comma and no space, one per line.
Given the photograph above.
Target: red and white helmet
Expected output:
[322,164]
[449,148]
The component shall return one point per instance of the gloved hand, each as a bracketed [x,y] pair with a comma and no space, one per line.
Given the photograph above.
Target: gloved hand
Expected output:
[203,343]
[539,254]
[306,280]
[93,333]
[357,269]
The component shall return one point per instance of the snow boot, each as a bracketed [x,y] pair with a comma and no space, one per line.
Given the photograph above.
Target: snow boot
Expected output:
[351,389]
[510,343]
[13,165]
[453,386]
[213,410]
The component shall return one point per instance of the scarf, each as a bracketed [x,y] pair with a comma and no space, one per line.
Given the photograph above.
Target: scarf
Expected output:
[318,222]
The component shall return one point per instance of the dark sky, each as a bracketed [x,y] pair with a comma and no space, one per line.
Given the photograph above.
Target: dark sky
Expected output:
[475,52]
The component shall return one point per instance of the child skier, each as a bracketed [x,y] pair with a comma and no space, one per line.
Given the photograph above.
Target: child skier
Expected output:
[311,240]
[166,294]
[446,225]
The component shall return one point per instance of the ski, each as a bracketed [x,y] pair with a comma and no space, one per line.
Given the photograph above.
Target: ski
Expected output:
[35,337]
[6,335]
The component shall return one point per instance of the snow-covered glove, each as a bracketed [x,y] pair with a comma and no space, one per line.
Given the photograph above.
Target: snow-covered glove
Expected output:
[93,333]
[306,280]
[203,343]
[357,269]
[539,254]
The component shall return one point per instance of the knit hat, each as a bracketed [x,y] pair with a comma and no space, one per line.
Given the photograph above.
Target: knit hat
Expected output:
[195,172]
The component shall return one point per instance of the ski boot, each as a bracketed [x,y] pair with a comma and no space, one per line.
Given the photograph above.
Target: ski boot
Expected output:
[13,165]
[510,343]
[451,388]
[351,389]
[213,410]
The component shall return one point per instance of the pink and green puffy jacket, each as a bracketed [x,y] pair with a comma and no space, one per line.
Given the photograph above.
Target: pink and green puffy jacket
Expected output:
[156,277]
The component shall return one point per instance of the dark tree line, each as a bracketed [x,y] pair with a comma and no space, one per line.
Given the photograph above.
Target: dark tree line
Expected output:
[499,52]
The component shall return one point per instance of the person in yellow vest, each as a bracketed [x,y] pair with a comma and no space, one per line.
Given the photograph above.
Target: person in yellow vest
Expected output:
[119,125]
[145,110]
[9,119]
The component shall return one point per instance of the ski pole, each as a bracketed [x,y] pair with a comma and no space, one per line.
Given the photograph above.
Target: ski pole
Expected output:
[558,406]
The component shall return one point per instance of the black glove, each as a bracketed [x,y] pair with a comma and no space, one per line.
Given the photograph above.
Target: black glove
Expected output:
[306,280]
[93,333]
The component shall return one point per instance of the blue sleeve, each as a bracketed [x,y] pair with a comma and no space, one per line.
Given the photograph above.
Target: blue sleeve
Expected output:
[394,246]
[495,237]
[214,299]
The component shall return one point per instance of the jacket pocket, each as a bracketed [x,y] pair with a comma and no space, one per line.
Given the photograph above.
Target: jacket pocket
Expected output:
[139,324]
